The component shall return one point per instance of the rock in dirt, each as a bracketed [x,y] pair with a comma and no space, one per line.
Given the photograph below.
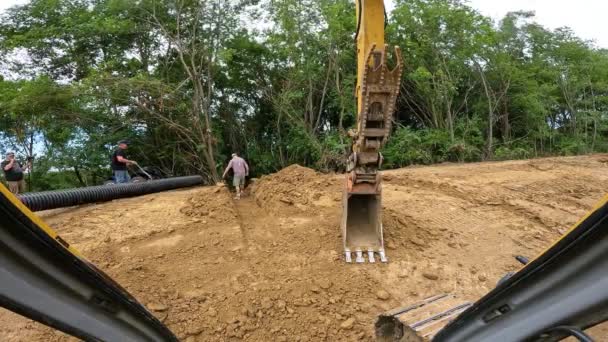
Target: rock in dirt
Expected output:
[194,330]
[391,245]
[250,312]
[286,200]
[383,295]
[157,307]
[266,303]
[162,316]
[325,284]
[348,324]
[430,276]
[482,278]
[417,241]
[280,304]
[212,312]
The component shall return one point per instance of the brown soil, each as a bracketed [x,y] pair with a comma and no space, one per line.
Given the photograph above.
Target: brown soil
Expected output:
[269,267]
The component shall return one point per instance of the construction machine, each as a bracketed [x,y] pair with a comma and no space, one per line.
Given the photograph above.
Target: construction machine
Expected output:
[376,93]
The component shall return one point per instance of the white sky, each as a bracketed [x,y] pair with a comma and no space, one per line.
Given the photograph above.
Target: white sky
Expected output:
[586,17]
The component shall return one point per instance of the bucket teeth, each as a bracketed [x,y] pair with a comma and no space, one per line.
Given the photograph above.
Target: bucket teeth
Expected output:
[348,256]
[360,256]
[370,256]
[360,259]
[383,257]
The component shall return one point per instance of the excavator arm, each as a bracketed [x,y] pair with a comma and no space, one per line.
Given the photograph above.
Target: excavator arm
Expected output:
[377,90]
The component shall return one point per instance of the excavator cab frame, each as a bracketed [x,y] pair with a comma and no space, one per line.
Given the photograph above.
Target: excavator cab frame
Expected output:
[47,280]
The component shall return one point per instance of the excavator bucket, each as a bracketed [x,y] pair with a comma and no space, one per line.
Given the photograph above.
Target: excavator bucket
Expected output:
[362,225]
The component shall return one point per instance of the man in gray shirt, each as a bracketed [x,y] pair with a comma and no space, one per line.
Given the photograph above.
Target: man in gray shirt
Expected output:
[241,170]
[13,172]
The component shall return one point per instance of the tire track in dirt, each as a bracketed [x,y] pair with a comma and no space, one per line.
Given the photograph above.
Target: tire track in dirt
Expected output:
[242,224]
[529,198]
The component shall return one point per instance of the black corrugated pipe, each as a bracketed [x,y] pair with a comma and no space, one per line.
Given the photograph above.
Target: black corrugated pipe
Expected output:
[46,200]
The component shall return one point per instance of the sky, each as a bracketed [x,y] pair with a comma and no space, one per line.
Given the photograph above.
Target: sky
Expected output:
[586,17]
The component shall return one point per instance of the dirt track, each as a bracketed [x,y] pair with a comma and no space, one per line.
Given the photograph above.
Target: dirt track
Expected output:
[269,266]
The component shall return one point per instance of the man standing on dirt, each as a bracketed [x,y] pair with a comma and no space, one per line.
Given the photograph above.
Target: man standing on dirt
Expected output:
[13,171]
[120,163]
[241,170]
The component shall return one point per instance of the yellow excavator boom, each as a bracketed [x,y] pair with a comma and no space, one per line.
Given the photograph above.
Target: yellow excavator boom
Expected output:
[370,32]
[376,92]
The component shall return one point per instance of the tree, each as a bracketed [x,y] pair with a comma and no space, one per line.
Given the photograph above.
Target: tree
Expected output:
[440,39]
[191,81]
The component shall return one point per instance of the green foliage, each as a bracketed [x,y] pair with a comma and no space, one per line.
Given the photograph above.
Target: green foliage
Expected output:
[334,149]
[427,146]
[513,153]
[571,146]
[190,82]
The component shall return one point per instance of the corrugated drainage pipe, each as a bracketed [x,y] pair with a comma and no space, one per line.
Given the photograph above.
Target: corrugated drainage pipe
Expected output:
[46,200]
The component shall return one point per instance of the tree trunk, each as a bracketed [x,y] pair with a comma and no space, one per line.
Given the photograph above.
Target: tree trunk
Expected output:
[450,122]
[490,136]
[594,135]
[506,125]
[79,176]
[489,153]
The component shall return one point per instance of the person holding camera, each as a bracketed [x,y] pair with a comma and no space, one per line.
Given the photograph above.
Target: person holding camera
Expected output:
[13,172]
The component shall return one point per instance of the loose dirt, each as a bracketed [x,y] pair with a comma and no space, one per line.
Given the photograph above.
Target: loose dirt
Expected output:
[269,267]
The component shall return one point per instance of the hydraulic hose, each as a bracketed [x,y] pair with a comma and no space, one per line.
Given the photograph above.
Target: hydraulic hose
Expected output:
[67,198]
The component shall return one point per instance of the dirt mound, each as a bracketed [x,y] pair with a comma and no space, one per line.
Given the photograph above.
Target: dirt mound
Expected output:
[210,205]
[297,188]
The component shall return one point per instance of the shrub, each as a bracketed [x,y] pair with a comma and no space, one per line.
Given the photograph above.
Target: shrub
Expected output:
[512,153]
[427,146]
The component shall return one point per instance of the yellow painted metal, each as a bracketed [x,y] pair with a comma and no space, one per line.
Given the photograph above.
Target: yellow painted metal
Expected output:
[371,18]
[35,219]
